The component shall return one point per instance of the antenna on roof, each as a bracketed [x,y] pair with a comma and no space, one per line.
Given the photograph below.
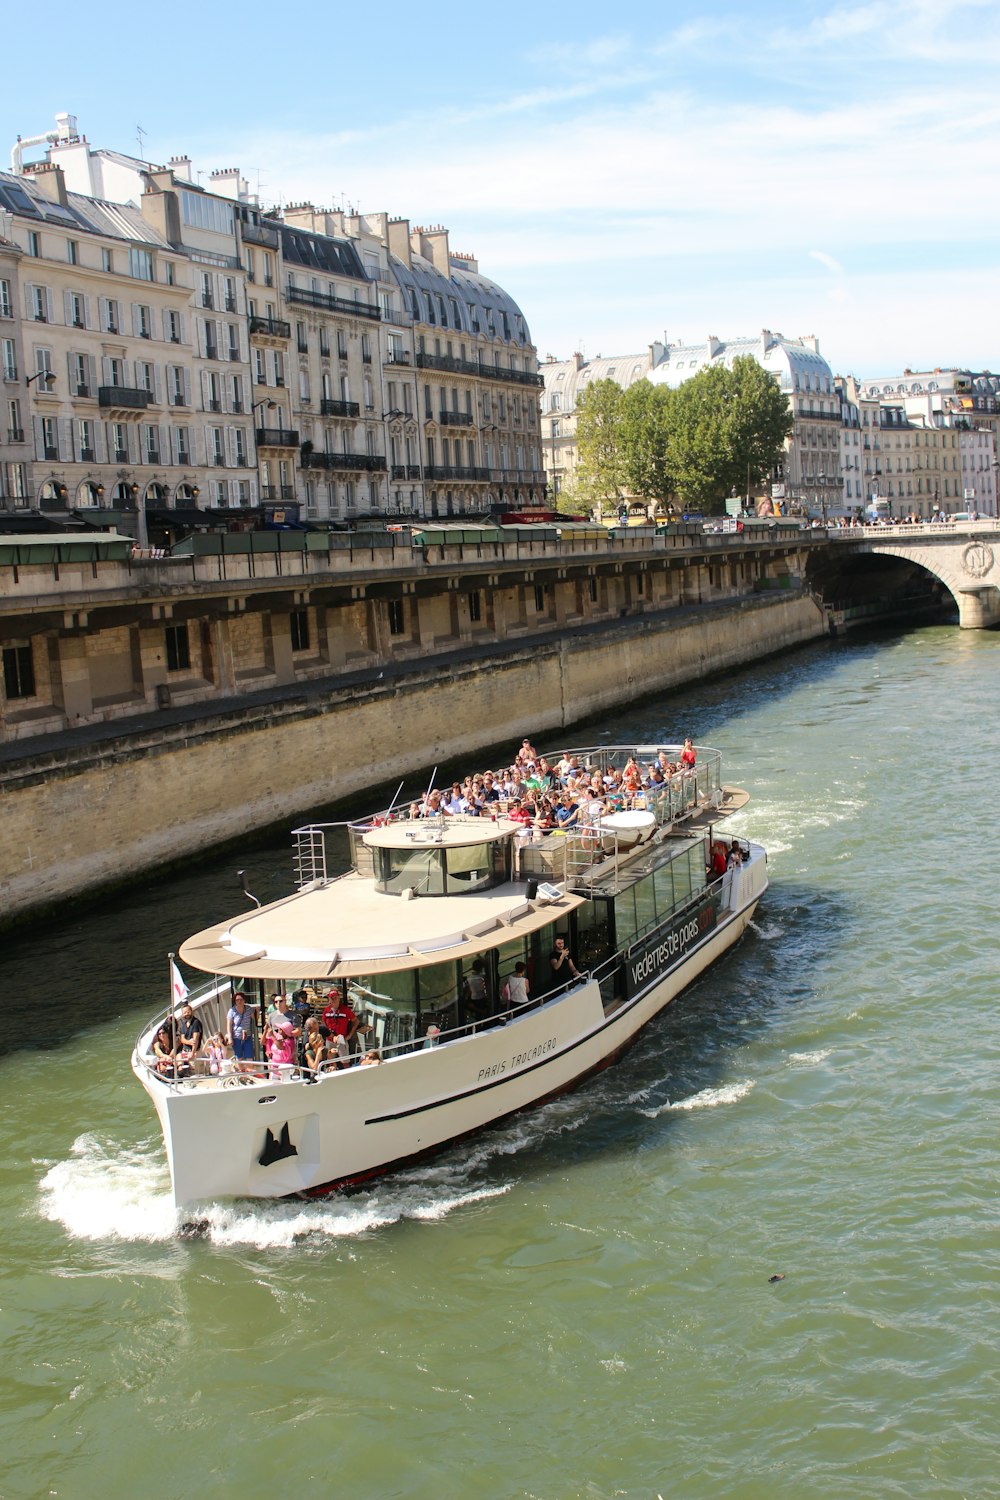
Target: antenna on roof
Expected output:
[139,133]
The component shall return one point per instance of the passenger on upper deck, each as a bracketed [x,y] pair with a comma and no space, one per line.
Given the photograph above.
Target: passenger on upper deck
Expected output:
[688,756]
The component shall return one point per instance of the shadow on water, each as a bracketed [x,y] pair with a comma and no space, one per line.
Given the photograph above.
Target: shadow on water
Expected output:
[692,1053]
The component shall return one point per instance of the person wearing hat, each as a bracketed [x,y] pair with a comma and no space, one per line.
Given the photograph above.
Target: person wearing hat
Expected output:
[431,1036]
[339,1017]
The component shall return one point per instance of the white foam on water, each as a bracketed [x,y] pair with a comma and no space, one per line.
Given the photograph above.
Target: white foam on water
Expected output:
[727,1093]
[110,1193]
[810,1059]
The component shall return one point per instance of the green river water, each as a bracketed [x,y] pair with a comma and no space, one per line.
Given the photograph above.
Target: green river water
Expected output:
[577,1304]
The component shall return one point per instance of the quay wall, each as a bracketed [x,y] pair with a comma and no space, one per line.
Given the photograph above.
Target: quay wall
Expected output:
[80,818]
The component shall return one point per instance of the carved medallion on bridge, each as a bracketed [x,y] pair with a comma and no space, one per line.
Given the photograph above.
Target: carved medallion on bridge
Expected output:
[977,559]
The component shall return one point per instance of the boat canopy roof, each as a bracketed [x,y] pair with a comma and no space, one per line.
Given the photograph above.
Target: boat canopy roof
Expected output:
[347,928]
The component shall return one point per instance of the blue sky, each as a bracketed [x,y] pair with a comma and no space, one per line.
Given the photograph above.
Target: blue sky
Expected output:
[810,168]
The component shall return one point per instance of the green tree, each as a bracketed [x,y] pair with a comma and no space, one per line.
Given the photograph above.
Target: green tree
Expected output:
[726,425]
[645,440]
[600,469]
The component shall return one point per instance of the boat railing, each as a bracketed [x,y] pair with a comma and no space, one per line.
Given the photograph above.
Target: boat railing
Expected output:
[263,1070]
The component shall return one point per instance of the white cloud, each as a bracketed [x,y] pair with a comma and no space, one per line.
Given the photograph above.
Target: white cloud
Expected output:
[607,194]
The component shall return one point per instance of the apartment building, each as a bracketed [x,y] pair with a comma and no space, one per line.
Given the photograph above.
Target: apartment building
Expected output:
[810,474]
[923,454]
[198,359]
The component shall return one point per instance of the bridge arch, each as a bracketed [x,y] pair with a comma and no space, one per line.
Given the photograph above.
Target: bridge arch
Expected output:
[964,560]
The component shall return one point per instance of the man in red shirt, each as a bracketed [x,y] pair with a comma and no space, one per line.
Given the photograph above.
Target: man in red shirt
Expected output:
[339,1017]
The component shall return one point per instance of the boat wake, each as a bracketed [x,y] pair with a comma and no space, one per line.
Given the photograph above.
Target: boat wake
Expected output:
[105,1192]
[727,1093]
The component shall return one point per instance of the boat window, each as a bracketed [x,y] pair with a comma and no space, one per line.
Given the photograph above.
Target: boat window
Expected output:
[645,904]
[593,933]
[469,868]
[437,987]
[625,922]
[509,954]
[419,869]
[663,883]
[389,1002]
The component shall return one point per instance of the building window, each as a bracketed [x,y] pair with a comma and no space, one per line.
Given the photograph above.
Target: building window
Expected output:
[107,259]
[476,606]
[178,649]
[34,242]
[593,589]
[9,360]
[18,672]
[6,306]
[395,610]
[299,621]
[73,252]
[140,264]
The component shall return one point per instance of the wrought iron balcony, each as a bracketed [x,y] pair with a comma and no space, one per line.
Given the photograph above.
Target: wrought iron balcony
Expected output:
[449,365]
[399,357]
[327,302]
[277,437]
[277,492]
[273,328]
[122,397]
[455,419]
[328,408]
[372,462]
[456,471]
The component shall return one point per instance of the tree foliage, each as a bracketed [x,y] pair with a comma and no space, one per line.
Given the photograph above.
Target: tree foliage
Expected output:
[713,435]
[600,469]
[645,436]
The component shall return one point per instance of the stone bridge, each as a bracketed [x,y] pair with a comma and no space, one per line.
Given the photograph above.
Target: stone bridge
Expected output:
[965,556]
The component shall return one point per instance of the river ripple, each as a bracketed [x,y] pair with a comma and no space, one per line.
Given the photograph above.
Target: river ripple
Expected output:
[579,1303]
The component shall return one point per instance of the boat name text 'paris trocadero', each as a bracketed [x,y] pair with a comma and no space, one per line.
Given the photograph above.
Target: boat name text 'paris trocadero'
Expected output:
[497,1069]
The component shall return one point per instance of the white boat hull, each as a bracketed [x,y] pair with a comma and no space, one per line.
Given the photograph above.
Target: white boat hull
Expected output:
[352,1124]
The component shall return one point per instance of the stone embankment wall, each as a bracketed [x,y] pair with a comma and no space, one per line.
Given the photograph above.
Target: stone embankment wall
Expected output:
[83,817]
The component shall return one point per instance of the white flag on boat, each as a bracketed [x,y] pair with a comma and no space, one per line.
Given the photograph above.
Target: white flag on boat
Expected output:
[178,989]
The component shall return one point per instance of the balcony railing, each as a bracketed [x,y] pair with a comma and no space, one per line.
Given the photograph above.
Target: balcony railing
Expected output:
[372,462]
[449,365]
[455,471]
[517,476]
[406,471]
[329,408]
[329,303]
[123,396]
[277,437]
[455,418]
[15,434]
[275,328]
[277,492]
[399,357]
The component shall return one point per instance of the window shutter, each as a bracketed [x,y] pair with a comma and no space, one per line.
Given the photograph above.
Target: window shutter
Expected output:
[135,319]
[106,363]
[157,386]
[186,377]
[166,325]
[68,308]
[29,299]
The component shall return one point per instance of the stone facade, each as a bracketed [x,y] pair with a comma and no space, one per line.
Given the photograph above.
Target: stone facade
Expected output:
[208,359]
[90,634]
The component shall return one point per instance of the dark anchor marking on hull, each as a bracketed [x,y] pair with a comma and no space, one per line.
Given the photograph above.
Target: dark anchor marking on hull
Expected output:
[277,1150]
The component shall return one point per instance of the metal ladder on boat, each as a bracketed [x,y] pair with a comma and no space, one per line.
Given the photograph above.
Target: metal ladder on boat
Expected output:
[309,856]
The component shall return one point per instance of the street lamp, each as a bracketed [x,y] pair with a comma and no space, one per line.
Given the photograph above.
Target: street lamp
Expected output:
[45,376]
[267,404]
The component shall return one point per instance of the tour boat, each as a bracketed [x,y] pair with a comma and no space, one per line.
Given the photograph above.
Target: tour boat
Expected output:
[423,905]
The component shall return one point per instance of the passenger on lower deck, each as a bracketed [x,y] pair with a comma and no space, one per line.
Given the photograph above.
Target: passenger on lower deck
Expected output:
[239,1028]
